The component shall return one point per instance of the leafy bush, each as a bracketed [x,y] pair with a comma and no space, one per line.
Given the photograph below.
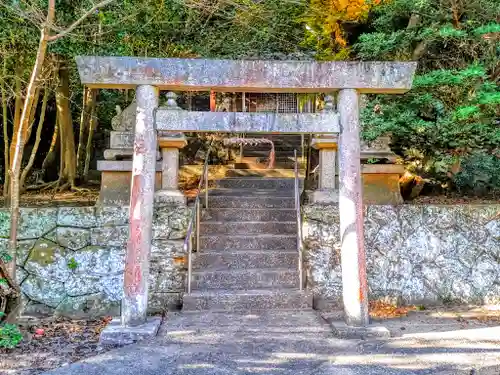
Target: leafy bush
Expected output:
[479,174]
[447,127]
[10,336]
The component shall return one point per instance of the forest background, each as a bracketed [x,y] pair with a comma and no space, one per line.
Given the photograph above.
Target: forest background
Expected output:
[446,130]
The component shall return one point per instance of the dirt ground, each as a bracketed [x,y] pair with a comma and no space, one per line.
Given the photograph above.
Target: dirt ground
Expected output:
[66,341]
[61,342]
[89,196]
[49,198]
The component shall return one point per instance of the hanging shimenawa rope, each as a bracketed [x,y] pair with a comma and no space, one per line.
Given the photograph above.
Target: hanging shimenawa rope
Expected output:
[254,142]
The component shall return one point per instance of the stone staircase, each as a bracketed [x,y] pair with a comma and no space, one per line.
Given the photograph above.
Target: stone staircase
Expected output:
[248,259]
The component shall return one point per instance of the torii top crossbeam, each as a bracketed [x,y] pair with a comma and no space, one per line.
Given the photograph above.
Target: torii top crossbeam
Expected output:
[245,75]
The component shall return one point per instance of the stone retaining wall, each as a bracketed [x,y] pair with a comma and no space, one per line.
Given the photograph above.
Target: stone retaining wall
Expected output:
[415,254]
[70,260]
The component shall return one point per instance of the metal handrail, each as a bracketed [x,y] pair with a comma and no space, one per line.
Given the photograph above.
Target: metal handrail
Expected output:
[299,220]
[195,219]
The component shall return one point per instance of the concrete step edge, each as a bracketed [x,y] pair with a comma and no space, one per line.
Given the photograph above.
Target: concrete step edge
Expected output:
[248,209]
[237,252]
[267,235]
[246,270]
[243,292]
[247,222]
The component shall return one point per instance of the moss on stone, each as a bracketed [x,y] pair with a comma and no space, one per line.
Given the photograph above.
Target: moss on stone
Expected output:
[44,252]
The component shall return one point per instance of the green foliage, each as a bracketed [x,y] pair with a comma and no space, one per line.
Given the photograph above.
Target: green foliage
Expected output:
[449,31]
[486,29]
[10,336]
[5,256]
[72,264]
[479,174]
[447,127]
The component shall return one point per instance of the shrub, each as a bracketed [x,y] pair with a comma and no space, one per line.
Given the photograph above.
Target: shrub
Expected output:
[479,174]
[10,336]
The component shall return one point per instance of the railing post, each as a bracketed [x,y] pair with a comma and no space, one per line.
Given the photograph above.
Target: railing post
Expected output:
[299,221]
[190,265]
[206,185]
[198,213]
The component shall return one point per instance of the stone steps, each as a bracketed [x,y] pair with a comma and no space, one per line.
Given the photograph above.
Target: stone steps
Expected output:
[247,300]
[248,242]
[256,183]
[273,173]
[250,192]
[245,279]
[249,202]
[247,259]
[258,214]
[247,227]
[213,260]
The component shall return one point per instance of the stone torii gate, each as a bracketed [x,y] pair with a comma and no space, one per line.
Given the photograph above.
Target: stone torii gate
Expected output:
[150,75]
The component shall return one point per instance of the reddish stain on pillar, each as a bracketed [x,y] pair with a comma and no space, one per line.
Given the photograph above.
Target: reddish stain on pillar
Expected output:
[132,277]
[212,101]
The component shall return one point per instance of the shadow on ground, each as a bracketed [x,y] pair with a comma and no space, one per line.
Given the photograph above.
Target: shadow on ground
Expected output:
[286,343]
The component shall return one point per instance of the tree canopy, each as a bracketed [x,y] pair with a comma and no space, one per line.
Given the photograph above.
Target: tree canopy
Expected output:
[446,128]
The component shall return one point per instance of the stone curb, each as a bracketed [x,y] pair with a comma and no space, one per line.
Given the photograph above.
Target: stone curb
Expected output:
[117,335]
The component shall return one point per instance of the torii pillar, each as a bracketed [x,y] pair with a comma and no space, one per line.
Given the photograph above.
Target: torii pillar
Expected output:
[352,250]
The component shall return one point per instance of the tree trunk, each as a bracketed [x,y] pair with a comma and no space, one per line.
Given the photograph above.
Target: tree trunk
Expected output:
[84,125]
[92,127]
[31,161]
[31,122]
[18,107]
[18,140]
[6,154]
[68,154]
[51,154]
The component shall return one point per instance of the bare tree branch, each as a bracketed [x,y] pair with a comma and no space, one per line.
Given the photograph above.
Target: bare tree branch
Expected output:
[79,21]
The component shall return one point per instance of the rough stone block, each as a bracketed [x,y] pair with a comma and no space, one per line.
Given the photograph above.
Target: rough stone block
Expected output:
[23,249]
[325,197]
[46,291]
[117,335]
[33,222]
[381,188]
[47,260]
[160,302]
[79,217]
[112,215]
[87,306]
[109,236]
[121,139]
[73,238]
[115,186]
[118,154]
[170,222]
[170,197]
[343,331]
[99,261]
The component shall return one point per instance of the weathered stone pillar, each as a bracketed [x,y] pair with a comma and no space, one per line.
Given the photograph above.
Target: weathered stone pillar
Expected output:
[170,192]
[170,143]
[354,281]
[135,298]
[327,190]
